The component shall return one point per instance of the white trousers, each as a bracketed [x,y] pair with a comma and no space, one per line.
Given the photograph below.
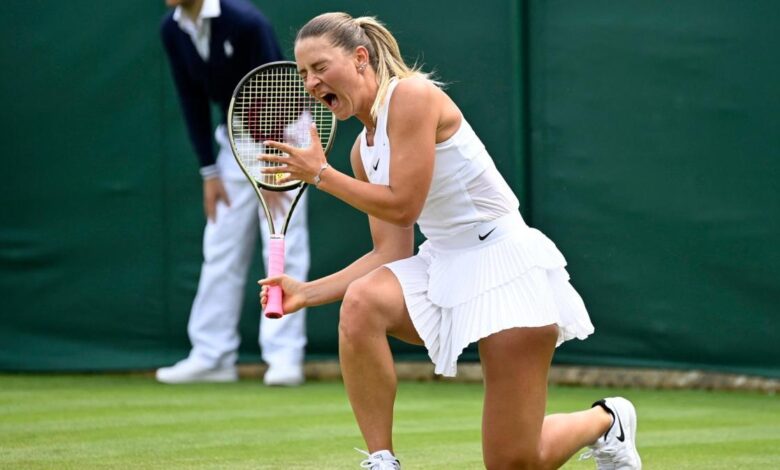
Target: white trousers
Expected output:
[228,249]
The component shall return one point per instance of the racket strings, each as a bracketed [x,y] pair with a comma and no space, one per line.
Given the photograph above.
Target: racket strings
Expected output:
[274,105]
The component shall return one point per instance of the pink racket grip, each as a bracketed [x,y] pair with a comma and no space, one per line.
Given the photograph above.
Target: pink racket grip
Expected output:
[273,309]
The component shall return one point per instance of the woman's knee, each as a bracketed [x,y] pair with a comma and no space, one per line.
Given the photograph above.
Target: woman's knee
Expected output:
[356,316]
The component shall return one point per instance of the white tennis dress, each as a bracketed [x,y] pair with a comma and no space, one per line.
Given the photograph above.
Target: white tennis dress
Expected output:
[482,269]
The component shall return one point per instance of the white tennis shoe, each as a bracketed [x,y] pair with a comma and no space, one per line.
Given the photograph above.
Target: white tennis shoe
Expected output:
[379,460]
[616,450]
[284,376]
[189,371]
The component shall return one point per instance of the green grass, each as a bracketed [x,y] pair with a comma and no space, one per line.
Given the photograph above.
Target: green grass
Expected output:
[111,421]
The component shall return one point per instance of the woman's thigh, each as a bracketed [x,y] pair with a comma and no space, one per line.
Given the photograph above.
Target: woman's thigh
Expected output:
[378,295]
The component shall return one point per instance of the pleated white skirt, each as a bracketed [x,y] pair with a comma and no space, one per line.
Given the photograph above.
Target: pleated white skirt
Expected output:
[498,275]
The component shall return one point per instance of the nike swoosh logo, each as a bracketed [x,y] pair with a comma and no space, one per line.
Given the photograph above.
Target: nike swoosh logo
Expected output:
[376,165]
[621,437]
[482,237]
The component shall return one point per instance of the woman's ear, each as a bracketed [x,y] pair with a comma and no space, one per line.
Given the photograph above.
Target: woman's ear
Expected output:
[361,57]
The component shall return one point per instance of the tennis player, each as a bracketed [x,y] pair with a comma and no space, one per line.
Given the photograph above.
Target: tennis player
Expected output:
[482,275]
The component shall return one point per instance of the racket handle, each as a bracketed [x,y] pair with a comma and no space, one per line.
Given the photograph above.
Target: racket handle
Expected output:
[273,309]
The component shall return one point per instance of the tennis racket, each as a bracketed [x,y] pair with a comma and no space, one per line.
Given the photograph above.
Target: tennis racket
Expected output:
[271,103]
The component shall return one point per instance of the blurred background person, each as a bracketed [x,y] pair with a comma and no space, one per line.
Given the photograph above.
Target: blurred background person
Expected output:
[211,45]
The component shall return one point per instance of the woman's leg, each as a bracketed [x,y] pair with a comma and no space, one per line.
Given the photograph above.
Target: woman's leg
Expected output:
[564,434]
[516,435]
[373,307]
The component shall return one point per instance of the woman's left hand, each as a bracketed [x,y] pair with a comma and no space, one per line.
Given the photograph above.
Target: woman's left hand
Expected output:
[300,163]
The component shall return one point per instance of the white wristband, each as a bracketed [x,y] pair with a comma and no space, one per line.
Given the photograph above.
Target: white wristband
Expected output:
[318,178]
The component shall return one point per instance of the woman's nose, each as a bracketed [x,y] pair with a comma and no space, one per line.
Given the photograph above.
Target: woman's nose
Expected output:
[310,83]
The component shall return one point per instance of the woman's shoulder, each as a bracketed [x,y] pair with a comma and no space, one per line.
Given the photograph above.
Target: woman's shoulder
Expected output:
[421,97]
[416,84]
[416,90]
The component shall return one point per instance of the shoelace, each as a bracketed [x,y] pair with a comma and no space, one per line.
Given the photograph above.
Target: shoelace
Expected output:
[374,463]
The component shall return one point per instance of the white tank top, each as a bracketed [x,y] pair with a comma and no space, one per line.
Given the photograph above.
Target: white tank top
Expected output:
[466,189]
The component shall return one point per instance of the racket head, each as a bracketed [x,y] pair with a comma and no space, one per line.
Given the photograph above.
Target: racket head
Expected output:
[271,103]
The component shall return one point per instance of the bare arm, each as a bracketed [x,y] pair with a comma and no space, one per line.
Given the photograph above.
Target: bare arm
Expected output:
[391,242]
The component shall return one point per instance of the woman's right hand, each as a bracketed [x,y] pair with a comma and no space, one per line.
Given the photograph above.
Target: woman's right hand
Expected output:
[293,298]
[302,164]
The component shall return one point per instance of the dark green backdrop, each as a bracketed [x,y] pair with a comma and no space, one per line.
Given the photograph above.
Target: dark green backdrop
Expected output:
[642,137]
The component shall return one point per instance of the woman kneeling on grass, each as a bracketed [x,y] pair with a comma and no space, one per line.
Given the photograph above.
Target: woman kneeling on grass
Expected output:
[482,275]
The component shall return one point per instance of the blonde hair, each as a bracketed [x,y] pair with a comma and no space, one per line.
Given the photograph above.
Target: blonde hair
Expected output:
[384,55]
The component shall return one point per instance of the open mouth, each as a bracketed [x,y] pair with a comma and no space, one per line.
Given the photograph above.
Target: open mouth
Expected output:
[329,99]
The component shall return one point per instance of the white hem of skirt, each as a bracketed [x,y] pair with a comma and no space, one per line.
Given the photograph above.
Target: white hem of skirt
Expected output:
[456,296]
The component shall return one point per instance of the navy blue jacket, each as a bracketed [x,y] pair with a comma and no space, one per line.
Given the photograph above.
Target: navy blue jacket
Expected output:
[241,39]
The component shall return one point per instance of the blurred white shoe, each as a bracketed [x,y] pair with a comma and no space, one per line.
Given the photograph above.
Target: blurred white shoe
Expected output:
[189,371]
[284,376]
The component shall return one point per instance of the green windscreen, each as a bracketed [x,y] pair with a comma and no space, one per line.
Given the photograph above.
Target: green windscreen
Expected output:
[640,136]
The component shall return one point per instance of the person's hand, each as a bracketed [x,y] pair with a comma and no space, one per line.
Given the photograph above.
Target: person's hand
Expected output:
[213,192]
[293,298]
[302,164]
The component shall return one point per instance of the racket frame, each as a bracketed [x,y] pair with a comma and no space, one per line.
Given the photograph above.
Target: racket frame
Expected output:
[276,243]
